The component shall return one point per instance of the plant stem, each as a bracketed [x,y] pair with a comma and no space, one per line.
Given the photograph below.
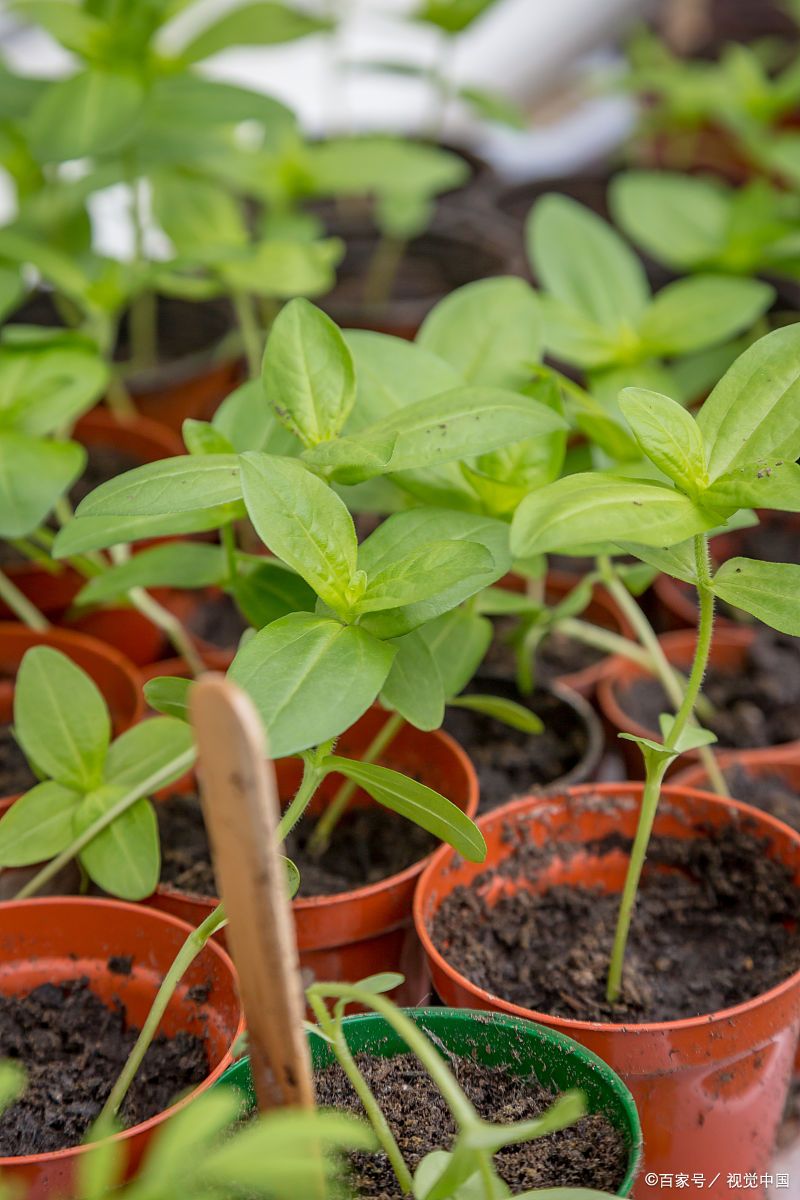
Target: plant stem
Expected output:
[21,606]
[250,331]
[312,777]
[143,313]
[118,397]
[333,1029]
[158,779]
[656,771]
[320,839]
[228,537]
[382,270]
[188,952]
[604,639]
[169,624]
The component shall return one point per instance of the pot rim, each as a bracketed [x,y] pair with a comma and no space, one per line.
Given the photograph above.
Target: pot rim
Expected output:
[26,1160]
[627,788]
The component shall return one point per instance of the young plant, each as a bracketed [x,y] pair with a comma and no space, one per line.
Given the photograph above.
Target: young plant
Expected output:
[694,224]
[738,453]
[466,1171]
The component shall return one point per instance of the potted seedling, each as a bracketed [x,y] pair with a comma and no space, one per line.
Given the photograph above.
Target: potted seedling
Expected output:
[738,452]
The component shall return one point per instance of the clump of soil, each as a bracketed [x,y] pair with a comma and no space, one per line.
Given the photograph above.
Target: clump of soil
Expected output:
[556,655]
[769,792]
[368,845]
[102,463]
[15,774]
[217,620]
[509,762]
[590,1153]
[716,923]
[73,1047]
[756,705]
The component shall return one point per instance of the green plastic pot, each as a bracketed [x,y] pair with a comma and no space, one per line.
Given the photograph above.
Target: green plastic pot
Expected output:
[494,1039]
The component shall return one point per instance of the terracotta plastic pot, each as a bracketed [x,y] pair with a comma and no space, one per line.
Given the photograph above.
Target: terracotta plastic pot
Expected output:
[354,934]
[710,1090]
[728,652]
[520,1047]
[51,940]
[113,673]
[601,610]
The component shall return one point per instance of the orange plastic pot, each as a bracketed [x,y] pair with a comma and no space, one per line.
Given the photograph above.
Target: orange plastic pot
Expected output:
[194,387]
[113,673]
[601,610]
[52,940]
[710,1090]
[728,652]
[213,659]
[354,934]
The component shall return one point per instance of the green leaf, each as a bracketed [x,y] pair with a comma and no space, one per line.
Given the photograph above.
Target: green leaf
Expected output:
[95,533]
[43,389]
[247,421]
[402,533]
[452,16]
[592,508]
[196,214]
[34,474]
[702,311]
[310,678]
[653,753]
[304,523]
[201,437]
[308,373]
[517,716]
[125,858]
[262,23]
[581,261]
[176,565]
[754,411]
[427,572]
[413,687]
[169,695]
[38,825]
[149,747]
[678,219]
[495,107]
[573,338]
[167,487]
[458,641]
[766,590]
[490,331]
[283,270]
[271,590]
[61,719]
[92,113]
[378,985]
[455,425]
[668,435]
[292,877]
[415,802]
[76,28]
[387,167]
[758,485]
[692,737]
[392,373]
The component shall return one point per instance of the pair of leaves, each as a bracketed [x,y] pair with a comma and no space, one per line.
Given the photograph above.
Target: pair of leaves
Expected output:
[62,723]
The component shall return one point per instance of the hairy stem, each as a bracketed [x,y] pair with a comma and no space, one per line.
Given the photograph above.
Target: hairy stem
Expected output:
[656,770]
[320,839]
[21,606]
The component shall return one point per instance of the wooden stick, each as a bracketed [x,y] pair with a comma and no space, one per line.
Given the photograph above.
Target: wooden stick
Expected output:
[241,811]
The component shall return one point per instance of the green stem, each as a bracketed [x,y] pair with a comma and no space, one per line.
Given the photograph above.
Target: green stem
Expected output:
[250,331]
[143,326]
[119,398]
[21,606]
[382,270]
[312,777]
[170,626]
[320,839]
[604,639]
[228,537]
[333,1030]
[171,770]
[188,952]
[656,770]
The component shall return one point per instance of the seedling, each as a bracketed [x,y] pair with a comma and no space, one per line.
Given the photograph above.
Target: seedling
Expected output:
[739,452]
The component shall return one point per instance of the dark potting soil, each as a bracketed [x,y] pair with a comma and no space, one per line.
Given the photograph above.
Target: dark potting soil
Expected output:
[770,792]
[755,706]
[509,762]
[556,655]
[589,1154]
[368,845]
[185,328]
[217,620]
[716,923]
[103,463]
[15,774]
[774,540]
[73,1047]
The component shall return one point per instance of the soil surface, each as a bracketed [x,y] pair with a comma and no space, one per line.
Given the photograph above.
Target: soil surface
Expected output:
[556,656]
[15,774]
[368,845]
[715,925]
[73,1047]
[103,463]
[589,1154]
[756,706]
[508,762]
[217,620]
[771,793]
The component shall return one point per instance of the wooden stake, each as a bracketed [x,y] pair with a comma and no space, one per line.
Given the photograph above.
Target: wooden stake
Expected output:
[241,811]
